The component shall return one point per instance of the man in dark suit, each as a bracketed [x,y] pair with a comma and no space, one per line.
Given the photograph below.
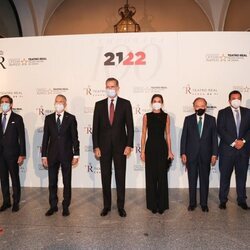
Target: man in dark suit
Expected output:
[12,152]
[113,133]
[234,131]
[199,149]
[60,148]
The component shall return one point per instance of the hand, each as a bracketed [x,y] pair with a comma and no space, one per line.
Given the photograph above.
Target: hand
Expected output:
[20,160]
[143,156]
[213,160]
[170,155]
[45,162]
[239,144]
[127,151]
[97,152]
[184,159]
[74,161]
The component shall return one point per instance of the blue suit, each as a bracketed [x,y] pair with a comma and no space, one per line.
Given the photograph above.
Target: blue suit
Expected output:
[199,150]
[230,157]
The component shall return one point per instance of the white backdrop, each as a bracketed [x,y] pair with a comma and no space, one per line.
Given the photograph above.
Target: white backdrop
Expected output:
[180,66]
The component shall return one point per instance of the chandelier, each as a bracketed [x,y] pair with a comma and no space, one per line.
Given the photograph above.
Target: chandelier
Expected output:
[127,23]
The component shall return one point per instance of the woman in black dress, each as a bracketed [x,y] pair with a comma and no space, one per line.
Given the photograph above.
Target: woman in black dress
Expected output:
[157,154]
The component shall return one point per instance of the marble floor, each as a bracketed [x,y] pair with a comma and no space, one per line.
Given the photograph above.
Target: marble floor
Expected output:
[86,229]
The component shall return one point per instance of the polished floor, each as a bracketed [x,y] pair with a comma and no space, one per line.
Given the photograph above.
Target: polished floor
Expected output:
[86,229]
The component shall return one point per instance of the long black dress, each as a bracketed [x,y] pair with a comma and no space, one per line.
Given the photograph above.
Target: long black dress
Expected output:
[156,153]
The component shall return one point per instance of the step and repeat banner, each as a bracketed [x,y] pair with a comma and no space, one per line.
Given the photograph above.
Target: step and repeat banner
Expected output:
[179,66]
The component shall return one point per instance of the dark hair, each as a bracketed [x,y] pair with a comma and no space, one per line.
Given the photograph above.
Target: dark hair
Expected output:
[6,96]
[199,98]
[157,95]
[63,96]
[233,93]
[113,79]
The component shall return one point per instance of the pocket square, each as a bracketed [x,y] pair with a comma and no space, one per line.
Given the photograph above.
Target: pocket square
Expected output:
[12,122]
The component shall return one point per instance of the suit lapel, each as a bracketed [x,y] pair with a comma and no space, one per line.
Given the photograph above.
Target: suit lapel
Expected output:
[194,124]
[231,116]
[1,123]
[205,126]
[117,107]
[64,121]
[242,118]
[9,122]
[106,111]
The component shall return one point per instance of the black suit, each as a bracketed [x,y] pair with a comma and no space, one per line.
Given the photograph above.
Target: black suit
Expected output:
[199,151]
[59,147]
[230,157]
[112,140]
[12,145]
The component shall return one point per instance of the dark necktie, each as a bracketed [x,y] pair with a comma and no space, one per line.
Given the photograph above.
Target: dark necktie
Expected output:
[58,122]
[111,112]
[200,125]
[237,116]
[4,120]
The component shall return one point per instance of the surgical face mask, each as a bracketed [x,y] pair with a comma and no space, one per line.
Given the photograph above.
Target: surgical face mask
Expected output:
[5,107]
[236,103]
[200,112]
[59,107]
[111,93]
[156,105]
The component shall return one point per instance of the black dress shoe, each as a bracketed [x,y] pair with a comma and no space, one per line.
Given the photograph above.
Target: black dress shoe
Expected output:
[243,205]
[122,212]
[105,211]
[65,211]
[51,211]
[191,208]
[223,205]
[154,211]
[15,207]
[204,208]
[4,207]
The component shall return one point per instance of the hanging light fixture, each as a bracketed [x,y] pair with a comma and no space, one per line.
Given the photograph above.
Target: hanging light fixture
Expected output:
[127,23]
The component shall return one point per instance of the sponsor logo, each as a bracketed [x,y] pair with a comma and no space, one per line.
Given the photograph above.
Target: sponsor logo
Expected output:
[200,91]
[90,91]
[150,90]
[51,91]
[225,57]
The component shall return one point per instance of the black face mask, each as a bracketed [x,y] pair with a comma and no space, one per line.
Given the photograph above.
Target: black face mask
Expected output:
[200,112]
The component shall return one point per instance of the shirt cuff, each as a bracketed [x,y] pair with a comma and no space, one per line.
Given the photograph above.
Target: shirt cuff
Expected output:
[76,157]
[233,144]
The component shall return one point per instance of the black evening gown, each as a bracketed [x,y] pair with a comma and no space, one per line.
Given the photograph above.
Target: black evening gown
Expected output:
[156,164]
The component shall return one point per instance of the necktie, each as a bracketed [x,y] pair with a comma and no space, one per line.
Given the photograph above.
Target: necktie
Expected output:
[4,120]
[200,125]
[237,116]
[111,112]
[58,122]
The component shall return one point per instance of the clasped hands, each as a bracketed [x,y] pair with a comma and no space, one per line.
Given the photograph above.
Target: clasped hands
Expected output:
[238,144]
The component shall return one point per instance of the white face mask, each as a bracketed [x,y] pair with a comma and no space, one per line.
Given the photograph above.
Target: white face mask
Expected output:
[236,103]
[156,105]
[111,93]
[5,107]
[59,107]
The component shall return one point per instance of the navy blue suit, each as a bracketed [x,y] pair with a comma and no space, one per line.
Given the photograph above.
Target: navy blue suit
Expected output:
[199,151]
[12,145]
[230,157]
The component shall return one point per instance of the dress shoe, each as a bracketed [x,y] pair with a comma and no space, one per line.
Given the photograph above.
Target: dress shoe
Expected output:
[51,211]
[204,208]
[15,207]
[191,208]
[4,207]
[154,211]
[243,205]
[105,211]
[65,211]
[122,212]
[223,205]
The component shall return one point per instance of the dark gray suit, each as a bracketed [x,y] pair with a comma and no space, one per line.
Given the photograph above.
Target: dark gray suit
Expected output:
[199,151]
[112,140]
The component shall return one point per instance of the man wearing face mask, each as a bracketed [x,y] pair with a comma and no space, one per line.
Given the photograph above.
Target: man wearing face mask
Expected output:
[234,131]
[113,133]
[199,149]
[60,148]
[12,152]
